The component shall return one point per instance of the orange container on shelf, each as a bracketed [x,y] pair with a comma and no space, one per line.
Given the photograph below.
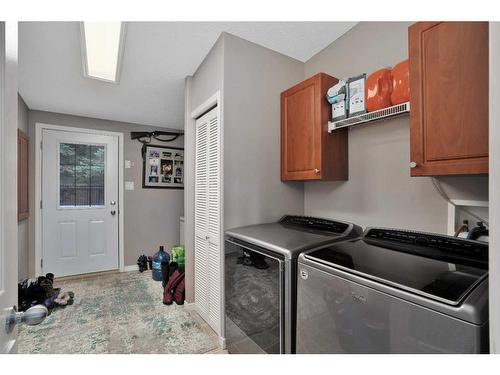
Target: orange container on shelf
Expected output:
[378,90]
[400,83]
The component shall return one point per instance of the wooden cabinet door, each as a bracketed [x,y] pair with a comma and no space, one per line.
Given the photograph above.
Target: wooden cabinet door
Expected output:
[300,134]
[449,98]
[308,151]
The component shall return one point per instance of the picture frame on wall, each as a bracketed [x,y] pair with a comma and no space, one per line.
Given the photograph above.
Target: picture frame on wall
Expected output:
[163,167]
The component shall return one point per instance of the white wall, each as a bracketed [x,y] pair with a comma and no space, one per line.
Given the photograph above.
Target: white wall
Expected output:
[380,191]
[250,79]
[151,215]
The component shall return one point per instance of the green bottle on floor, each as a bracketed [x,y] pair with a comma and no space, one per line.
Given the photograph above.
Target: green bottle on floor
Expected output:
[178,256]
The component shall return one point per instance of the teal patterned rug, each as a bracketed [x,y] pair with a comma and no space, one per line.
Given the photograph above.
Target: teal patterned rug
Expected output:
[118,313]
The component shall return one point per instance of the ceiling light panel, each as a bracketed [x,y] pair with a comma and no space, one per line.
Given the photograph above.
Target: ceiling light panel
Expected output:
[102,44]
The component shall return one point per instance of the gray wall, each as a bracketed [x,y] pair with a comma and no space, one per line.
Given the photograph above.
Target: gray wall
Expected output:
[254,77]
[206,81]
[250,78]
[22,227]
[380,190]
[151,215]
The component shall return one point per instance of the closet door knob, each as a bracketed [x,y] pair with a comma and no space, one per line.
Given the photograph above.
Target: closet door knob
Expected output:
[413,164]
[316,170]
[33,316]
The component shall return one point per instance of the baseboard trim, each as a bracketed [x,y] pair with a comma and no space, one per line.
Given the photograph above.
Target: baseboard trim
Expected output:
[131,268]
[189,306]
[222,342]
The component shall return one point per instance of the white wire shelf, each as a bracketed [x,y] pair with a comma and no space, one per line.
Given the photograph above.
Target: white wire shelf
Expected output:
[394,111]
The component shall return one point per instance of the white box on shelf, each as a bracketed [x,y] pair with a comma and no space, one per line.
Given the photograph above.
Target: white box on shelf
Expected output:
[356,93]
[339,111]
[455,215]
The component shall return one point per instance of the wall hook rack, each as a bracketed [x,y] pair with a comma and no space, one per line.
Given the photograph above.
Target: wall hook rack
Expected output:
[159,135]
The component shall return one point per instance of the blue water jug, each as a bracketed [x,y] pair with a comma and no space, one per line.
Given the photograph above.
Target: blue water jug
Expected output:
[160,257]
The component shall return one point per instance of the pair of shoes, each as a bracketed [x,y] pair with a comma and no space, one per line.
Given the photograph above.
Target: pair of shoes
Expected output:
[142,262]
[175,289]
[35,291]
[65,298]
[253,260]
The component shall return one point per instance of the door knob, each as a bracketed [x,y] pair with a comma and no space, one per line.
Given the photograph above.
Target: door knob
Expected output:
[113,212]
[413,164]
[112,203]
[316,170]
[33,316]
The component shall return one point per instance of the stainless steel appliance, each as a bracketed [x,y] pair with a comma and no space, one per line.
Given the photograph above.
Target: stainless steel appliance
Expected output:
[260,279]
[394,291]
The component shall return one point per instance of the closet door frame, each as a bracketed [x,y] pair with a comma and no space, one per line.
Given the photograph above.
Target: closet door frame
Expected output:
[215,101]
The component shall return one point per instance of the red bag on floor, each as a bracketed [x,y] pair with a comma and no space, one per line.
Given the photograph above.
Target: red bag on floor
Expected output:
[180,292]
[173,283]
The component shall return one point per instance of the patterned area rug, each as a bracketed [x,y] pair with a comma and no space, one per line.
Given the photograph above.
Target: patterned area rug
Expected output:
[118,313]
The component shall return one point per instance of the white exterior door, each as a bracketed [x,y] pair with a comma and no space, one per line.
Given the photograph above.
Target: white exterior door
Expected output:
[207,217]
[79,202]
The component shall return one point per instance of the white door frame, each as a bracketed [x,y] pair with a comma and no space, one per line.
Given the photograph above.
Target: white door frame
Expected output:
[8,180]
[39,127]
[214,101]
[494,186]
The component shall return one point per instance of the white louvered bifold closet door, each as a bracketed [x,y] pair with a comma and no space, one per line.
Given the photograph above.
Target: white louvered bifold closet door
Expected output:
[208,256]
[201,218]
[215,258]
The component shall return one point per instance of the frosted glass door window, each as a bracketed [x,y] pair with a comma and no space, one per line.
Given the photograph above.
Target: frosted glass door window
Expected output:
[81,175]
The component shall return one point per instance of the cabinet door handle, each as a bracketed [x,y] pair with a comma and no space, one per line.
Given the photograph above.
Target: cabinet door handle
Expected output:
[316,170]
[413,164]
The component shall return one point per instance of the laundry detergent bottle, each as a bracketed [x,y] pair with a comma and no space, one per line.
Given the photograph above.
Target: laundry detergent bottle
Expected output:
[160,257]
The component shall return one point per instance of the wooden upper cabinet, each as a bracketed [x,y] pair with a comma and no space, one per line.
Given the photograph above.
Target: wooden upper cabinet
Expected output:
[308,151]
[449,98]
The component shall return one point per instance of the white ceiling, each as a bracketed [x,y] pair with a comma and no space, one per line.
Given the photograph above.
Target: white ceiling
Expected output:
[157,57]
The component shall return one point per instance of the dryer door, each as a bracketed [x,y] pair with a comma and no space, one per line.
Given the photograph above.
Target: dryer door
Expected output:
[253,299]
